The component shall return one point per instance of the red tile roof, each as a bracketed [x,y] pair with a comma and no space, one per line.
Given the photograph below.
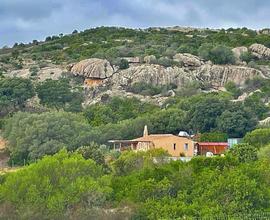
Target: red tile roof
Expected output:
[213,143]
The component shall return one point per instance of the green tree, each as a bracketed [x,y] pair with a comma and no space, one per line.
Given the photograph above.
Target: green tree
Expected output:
[258,137]
[232,88]
[13,93]
[57,94]
[124,64]
[244,152]
[68,181]
[31,136]
[214,137]
[236,123]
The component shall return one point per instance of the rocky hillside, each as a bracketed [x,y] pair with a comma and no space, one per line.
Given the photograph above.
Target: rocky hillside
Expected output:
[127,66]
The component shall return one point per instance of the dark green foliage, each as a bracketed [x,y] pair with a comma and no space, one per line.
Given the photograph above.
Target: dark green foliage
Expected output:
[244,152]
[213,137]
[236,123]
[203,114]
[123,64]
[247,57]
[117,109]
[219,54]
[67,181]
[94,152]
[258,138]
[58,94]
[31,136]
[149,89]
[13,93]
[232,88]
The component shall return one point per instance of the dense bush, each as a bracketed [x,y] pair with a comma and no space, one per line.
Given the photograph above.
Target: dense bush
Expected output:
[213,137]
[58,94]
[117,109]
[31,136]
[68,182]
[219,54]
[149,89]
[13,94]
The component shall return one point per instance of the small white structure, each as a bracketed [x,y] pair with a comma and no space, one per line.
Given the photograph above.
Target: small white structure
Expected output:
[183,134]
[209,154]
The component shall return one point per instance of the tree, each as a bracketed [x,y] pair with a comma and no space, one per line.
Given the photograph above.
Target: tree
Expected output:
[68,182]
[14,92]
[75,32]
[236,123]
[93,152]
[232,88]
[214,137]
[57,94]
[258,137]
[244,152]
[203,114]
[31,136]
[124,64]
[219,54]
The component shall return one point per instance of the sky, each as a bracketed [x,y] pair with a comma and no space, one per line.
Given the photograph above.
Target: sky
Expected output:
[26,20]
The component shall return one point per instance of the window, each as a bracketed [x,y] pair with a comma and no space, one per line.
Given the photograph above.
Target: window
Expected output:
[174,146]
[186,146]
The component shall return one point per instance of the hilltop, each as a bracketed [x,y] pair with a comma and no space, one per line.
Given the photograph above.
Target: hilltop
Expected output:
[150,64]
[65,101]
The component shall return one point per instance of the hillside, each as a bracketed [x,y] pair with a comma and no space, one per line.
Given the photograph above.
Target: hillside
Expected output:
[73,109]
[121,62]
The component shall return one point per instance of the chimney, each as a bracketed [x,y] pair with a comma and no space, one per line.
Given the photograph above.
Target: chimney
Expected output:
[145,131]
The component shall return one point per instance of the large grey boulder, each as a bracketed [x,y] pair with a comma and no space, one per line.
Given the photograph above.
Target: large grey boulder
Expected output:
[238,51]
[93,68]
[260,50]
[188,60]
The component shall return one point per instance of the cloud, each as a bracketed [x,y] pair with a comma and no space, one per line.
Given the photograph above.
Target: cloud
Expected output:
[25,20]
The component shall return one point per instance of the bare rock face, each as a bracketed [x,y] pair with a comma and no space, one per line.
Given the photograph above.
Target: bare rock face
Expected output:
[53,73]
[238,51]
[93,68]
[152,74]
[188,60]
[260,50]
[149,59]
[219,75]
[215,75]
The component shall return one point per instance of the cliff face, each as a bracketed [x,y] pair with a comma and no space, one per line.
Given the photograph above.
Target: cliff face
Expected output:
[190,68]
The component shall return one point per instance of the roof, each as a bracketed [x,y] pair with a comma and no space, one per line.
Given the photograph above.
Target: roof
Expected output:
[152,137]
[213,143]
[148,138]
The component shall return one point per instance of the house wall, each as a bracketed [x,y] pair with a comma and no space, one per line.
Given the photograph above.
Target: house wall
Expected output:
[167,143]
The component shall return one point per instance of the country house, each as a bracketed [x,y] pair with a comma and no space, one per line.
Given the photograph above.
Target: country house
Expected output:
[176,146]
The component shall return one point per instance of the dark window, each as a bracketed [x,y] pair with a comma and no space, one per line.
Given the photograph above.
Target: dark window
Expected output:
[174,146]
[186,146]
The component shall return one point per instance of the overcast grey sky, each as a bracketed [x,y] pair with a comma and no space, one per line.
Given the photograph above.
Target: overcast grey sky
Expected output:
[25,20]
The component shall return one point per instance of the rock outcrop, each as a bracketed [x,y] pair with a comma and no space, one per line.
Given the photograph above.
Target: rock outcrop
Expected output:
[43,74]
[238,51]
[219,75]
[152,74]
[188,60]
[260,51]
[93,68]
[192,69]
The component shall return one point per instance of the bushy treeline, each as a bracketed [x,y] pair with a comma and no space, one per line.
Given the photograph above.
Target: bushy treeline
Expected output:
[113,43]
[32,135]
[66,185]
